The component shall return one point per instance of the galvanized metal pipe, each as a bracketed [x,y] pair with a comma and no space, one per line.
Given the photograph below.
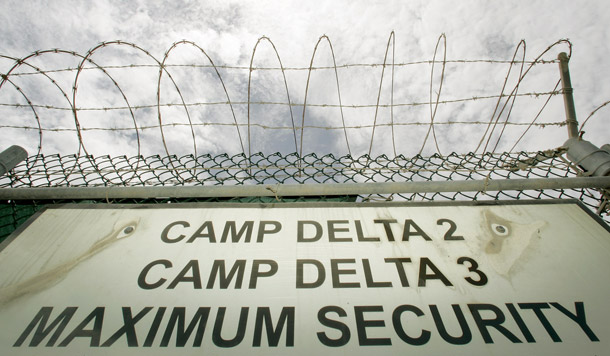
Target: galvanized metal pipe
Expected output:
[568,98]
[284,190]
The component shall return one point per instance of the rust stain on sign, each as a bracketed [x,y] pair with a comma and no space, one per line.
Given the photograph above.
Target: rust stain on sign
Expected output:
[506,240]
[51,275]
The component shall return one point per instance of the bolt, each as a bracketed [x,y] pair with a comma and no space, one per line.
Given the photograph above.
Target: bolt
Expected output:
[501,229]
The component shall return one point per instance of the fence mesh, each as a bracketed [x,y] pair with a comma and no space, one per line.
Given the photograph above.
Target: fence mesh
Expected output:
[113,116]
[89,171]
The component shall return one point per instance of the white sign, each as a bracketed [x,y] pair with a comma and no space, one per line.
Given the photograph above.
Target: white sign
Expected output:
[458,279]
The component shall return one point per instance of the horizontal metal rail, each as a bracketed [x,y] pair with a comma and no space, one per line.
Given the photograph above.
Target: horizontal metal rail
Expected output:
[285,190]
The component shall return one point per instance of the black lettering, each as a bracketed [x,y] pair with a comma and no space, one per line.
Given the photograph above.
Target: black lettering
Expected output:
[400,331]
[195,278]
[154,327]
[218,268]
[97,315]
[256,273]
[230,228]
[239,334]
[452,227]
[336,273]
[386,226]
[332,229]
[537,308]
[128,328]
[165,231]
[360,234]
[370,283]
[579,318]
[496,323]
[334,324]
[300,272]
[362,324]
[142,277]
[263,316]
[209,234]
[466,336]
[199,320]
[520,323]
[262,231]
[301,230]
[40,320]
[400,268]
[424,276]
[473,268]
[407,233]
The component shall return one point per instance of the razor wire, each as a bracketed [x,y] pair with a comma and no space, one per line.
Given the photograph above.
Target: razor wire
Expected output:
[83,169]
[28,67]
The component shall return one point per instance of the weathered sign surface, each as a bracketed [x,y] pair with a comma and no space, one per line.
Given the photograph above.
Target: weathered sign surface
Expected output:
[455,279]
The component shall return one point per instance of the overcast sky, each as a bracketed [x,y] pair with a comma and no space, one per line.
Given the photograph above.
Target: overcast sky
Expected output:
[359,31]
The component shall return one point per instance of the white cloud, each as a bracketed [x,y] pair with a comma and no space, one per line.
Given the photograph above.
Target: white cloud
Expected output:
[359,33]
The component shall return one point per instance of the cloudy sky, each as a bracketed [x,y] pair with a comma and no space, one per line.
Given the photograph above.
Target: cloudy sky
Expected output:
[226,32]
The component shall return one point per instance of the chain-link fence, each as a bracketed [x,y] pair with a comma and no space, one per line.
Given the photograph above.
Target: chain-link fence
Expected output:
[120,99]
[207,170]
